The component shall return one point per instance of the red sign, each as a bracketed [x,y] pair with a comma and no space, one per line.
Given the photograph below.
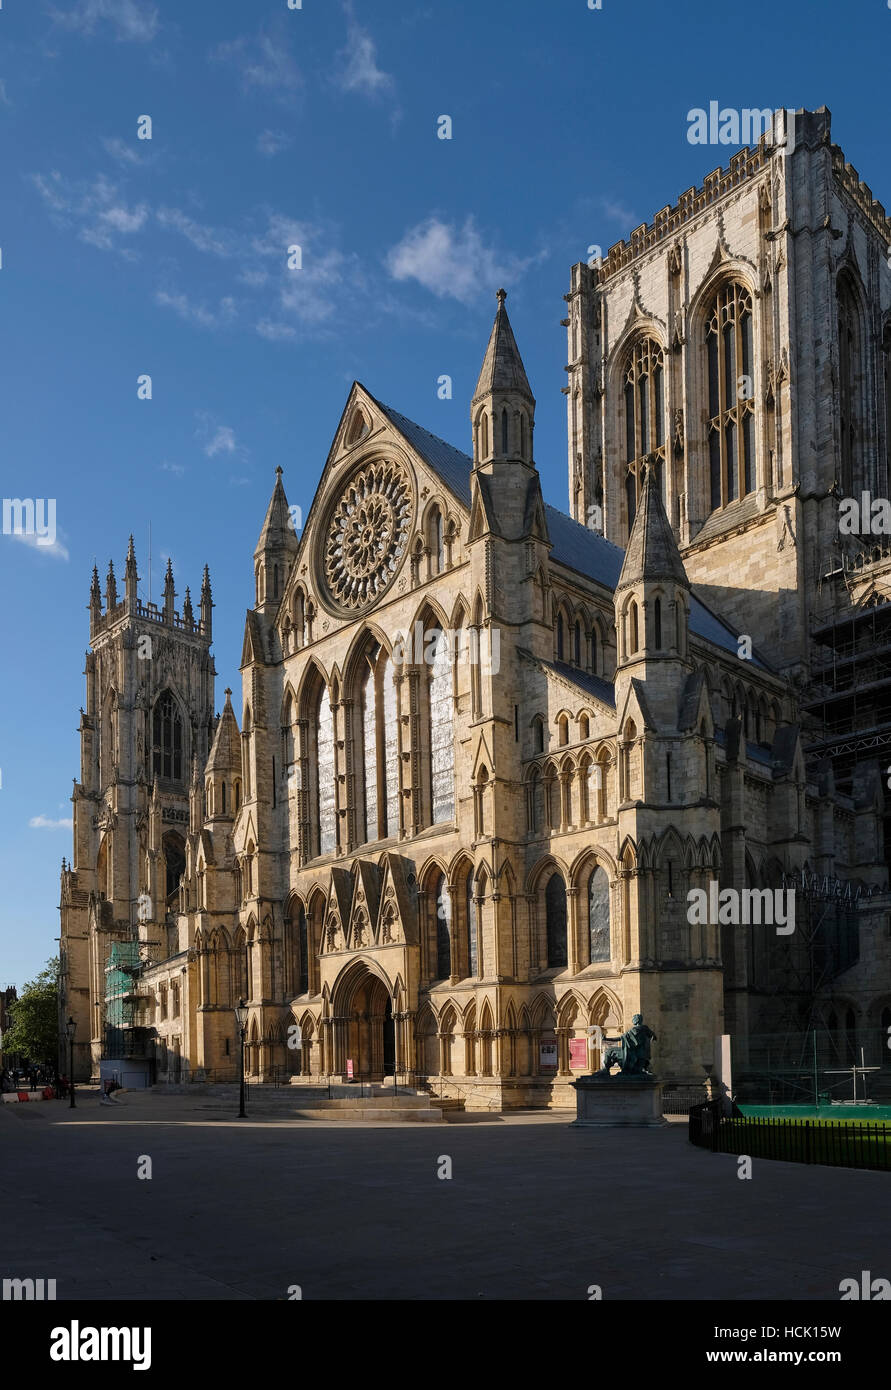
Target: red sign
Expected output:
[578,1054]
[349,1069]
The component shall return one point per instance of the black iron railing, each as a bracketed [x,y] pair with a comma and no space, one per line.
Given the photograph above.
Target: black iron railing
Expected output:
[791,1140]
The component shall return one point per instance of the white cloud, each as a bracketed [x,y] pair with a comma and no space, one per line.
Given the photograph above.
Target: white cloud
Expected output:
[56,550]
[4,95]
[44,823]
[223,441]
[272,142]
[263,63]
[451,261]
[198,313]
[202,238]
[359,70]
[275,332]
[98,209]
[176,468]
[121,151]
[134,21]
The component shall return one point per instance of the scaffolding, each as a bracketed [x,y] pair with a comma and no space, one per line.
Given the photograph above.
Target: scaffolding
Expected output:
[124,1038]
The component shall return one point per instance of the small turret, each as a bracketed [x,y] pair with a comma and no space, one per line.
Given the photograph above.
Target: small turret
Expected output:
[503,406]
[131,577]
[206,604]
[188,615]
[169,594]
[95,600]
[275,552]
[111,589]
[222,775]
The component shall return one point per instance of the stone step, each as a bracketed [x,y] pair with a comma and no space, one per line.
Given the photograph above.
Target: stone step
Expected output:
[370,1113]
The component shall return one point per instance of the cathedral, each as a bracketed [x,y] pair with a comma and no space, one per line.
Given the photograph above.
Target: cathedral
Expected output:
[484,750]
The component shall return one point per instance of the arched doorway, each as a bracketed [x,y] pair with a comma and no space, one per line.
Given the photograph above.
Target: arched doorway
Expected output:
[366,1035]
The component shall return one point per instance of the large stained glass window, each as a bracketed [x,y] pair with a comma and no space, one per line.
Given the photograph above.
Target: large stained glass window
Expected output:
[325,764]
[391,749]
[731,404]
[598,916]
[303,951]
[442,743]
[370,736]
[644,399]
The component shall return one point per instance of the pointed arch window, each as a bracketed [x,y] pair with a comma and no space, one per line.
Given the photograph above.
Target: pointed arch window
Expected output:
[555,921]
[598,916]
[443,929]
[380,747]
[561,636]
[442,740]
[731,408]
[644,405]
[577,643]
[302,952]
[657,623]
[167,739]
[327,811]
[633,633]
[472,927]
[850,383]
[504,433]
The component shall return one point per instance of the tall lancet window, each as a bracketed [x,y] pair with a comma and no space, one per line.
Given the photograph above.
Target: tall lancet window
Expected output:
[391,749]
[731,397]
[442,741]
[472,927]
[850,384]
[370,740]
[380,751]
[644,404]
[598,916]
[167,739]
[443,925]
[325,767]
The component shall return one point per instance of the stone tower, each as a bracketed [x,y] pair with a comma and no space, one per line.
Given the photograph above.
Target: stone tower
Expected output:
[149,719]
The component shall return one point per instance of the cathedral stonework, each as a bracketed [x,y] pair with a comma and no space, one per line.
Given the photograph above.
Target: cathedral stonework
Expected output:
[459,870]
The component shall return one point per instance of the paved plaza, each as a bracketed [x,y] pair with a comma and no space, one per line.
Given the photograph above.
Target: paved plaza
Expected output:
[533,1210]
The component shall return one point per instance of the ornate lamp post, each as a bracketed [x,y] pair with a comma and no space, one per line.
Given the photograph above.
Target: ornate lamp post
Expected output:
[71,1029]
[241,1018]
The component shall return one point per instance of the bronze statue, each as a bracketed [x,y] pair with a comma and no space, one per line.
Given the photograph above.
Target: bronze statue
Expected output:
[632,1053]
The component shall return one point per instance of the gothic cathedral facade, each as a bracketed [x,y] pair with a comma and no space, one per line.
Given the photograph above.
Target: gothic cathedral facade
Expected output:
[485,749]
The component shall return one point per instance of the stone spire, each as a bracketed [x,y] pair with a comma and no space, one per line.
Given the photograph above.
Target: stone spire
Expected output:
[652,555]
[169,593]
[206,603]
[275,550]
[111,589]
[502,411]
[131,577]
[502,368]
[95,599]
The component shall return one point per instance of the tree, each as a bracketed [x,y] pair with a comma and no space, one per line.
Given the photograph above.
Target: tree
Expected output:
[35,1018]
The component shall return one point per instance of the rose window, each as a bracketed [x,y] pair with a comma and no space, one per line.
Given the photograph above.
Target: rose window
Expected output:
[367,534]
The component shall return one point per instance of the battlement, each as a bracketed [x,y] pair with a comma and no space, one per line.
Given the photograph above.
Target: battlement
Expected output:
[811,129]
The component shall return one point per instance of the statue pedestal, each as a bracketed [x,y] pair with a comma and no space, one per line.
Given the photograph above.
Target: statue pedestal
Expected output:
[618,1102]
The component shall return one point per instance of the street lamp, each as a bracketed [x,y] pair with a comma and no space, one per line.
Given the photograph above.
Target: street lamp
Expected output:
[71,1029]
[241,1018]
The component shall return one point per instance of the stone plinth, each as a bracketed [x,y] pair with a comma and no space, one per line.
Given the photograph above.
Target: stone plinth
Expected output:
[615,1102]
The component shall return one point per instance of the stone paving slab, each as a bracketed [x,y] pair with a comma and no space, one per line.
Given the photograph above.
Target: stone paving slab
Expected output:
[534,1210]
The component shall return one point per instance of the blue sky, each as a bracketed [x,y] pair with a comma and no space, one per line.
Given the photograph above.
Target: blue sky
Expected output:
[317,126]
